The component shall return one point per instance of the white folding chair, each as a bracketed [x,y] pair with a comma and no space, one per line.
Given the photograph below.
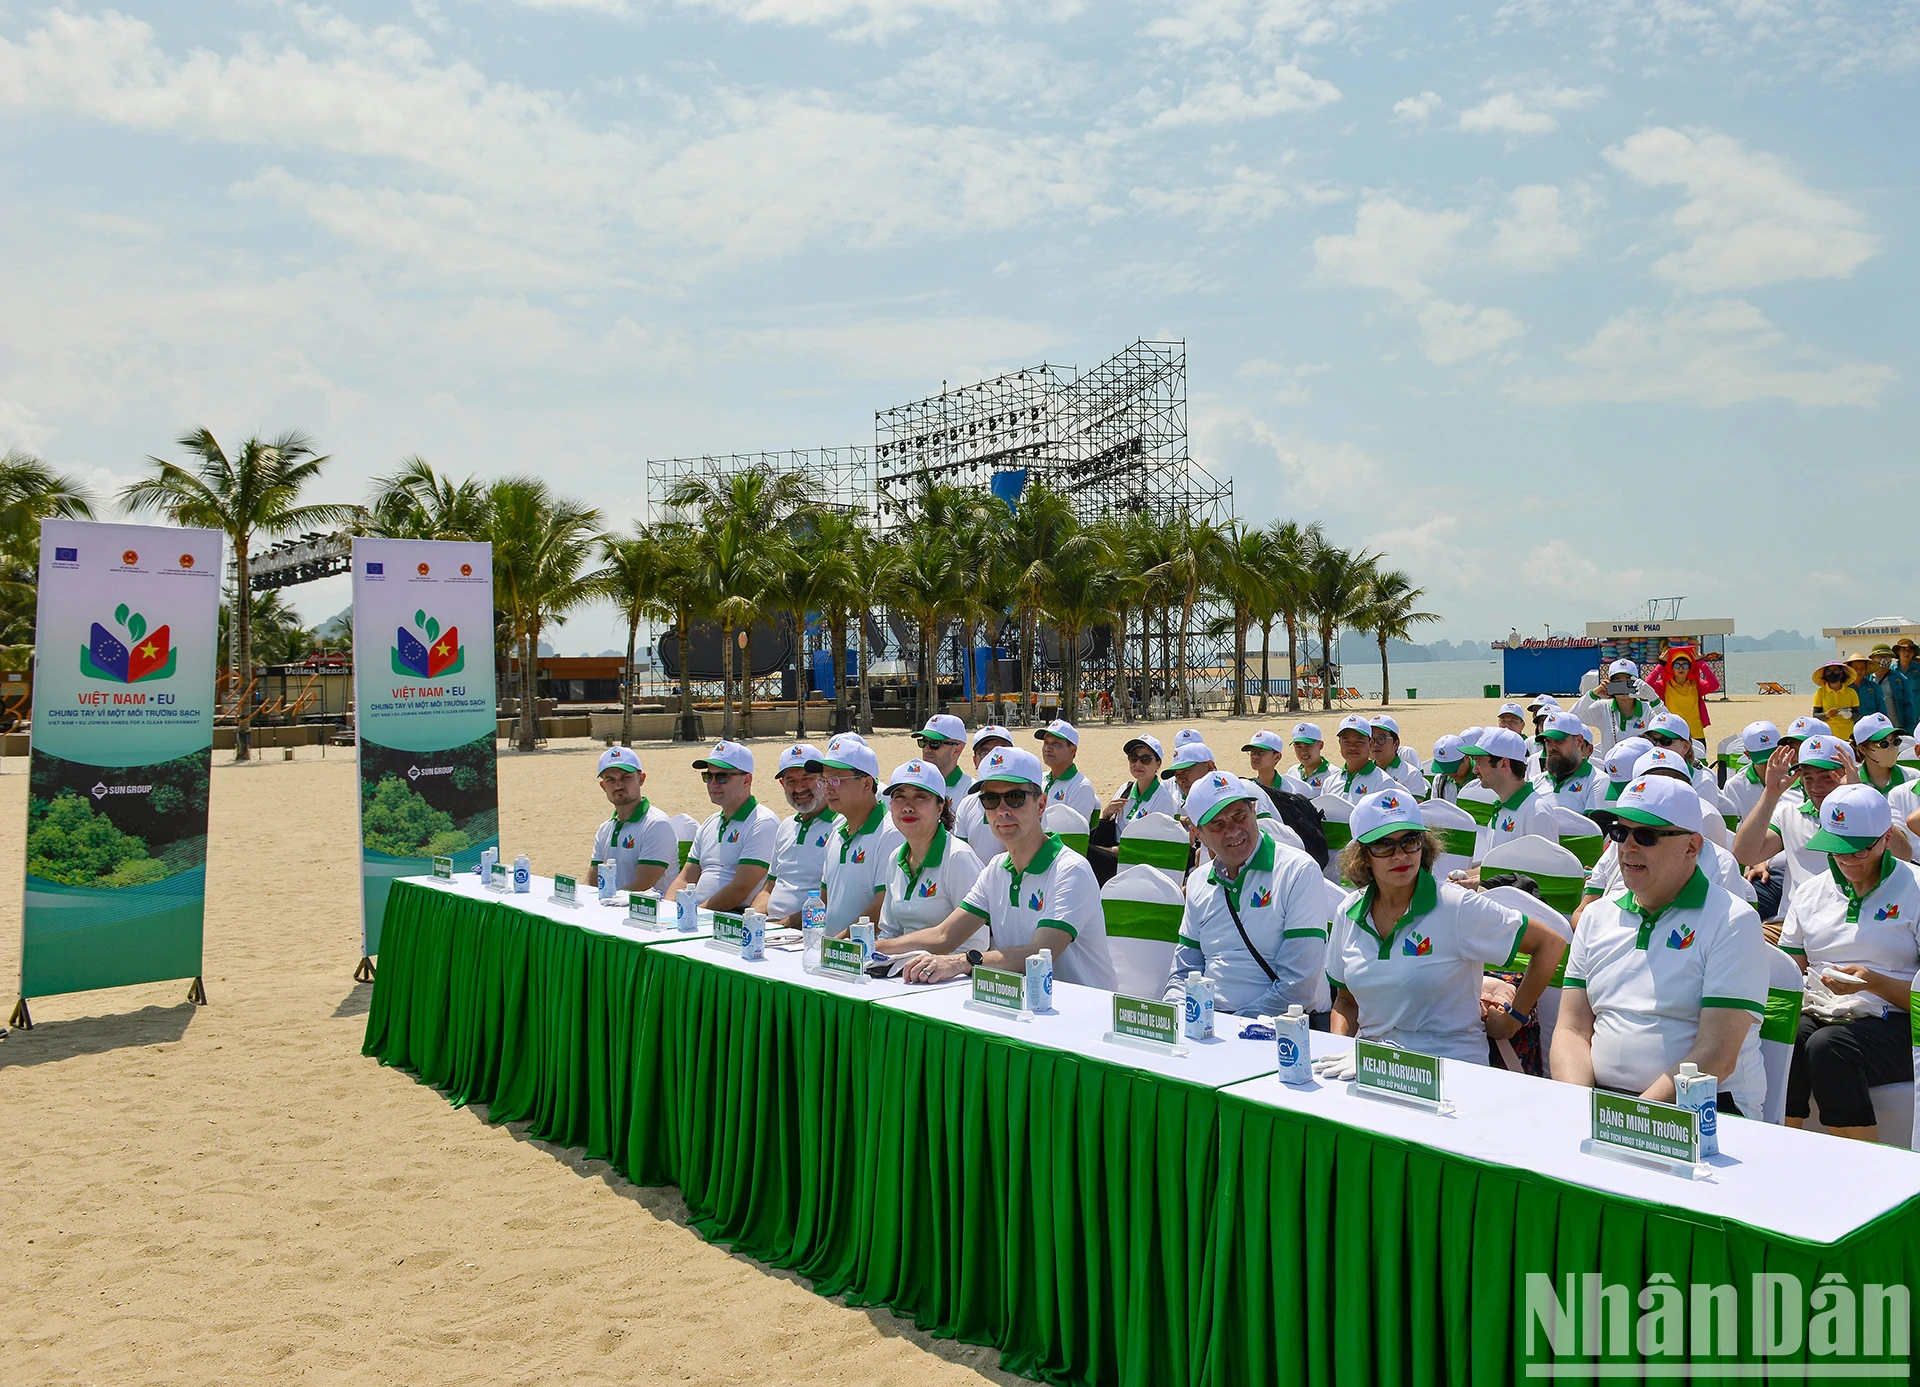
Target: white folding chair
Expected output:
[1143,907]
[1731,754]
[1069,823]
[1785,989]
[1155,840]
[1579,835]
[686,830]
[1335,814]
[1555,870]
[1456,826]
[1478,801]
[1513,898]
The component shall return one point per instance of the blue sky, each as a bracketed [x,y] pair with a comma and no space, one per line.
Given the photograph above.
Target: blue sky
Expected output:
[1562,304]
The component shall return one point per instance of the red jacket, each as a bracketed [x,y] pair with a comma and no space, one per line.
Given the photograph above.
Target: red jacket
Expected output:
[1703,677]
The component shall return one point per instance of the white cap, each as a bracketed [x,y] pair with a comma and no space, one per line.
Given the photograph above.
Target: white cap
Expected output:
[923,774]
[619,758]
[1513,710]
[1447,751]
[1804,727]
[1852,819]
[1187,756]
[1757,737]
[1544,701]
[1670,725]
[945,727]
[1620,667]
[1624,757]
[990,732]
[1663,758]
[1211,793]
[726,756]
[1011,763]
[1353,722]
[1872,728]
[1187,734]
[1151,743]
[1660,800]
[1824,753]
[1385,812]
[1470,738]
[1264,740]
[795,758]
[1306,732]
[849,753]
[1561,726]
[1386,724]
[1502,741]
[1062,729]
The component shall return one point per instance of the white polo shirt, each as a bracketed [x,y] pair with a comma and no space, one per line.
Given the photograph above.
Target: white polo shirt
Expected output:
[920,899]
[1720,866]
[1056,891]
[858,858]
[1743,790]
[1903,799]
[645,840]
[970,823]
[799,857]
[1523,812]
[1611,725]
[1585,789]
[1408,773]
[1320,782]
[1827,923]
[1796,820]
[1163,798]
[1648,979]
[1356,786]
[1282,901]
[1073,789]
[1420,986]
[725,843]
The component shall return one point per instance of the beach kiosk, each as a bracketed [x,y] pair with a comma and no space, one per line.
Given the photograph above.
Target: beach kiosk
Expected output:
[1644,642]
[1882,630]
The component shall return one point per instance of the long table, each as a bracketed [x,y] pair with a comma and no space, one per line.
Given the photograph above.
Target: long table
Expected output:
[1097,1213]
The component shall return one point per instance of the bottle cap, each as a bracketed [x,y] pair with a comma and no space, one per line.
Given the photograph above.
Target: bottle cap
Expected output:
[1193,977]
[1047,954]
[1295,1010]
[1687,1071]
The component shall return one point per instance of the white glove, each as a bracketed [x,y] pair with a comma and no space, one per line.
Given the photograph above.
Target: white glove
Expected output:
[1335,1066]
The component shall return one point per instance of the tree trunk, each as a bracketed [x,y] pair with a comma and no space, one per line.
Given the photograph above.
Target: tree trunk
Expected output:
[994,623]
[243,638]
[1166,652]
[923,696]
[1239,666]
[1383,672]
[626,690]
[1119,693]
[1185,675]
[842,694]
[529,685]
[1027,638]
[1293,662]
[746,680]
[1326,667]
[1266,669]
[800,676]
[726,679]
[865,726]
[687,715]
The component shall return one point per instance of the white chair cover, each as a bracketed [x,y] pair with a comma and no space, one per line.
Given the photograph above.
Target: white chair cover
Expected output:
[1155,840]
[1143,907]
[1557,871]
[686,830]
[1456,825]
[1513,898]
[1069,823]
[1785,985]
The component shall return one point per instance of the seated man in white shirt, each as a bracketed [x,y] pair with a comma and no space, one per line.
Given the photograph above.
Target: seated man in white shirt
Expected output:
[638,839]
[1358,777]
[1670,970]
[1066,783]
[1568,774]
[1500,764]
[734,847]
[1383,744]
[800,848]
[941,741]
[853,877]
[1778,821]
[1037,893]
[1311,772]
[1670,730]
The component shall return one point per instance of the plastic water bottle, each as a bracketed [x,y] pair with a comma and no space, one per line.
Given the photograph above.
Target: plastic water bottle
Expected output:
[1701,1092]
[813,912]
[522,875]
[862,932]
[686,910]
[1293,1032]
[1199,1007]
[753,935]
[607,883]
[1040,981]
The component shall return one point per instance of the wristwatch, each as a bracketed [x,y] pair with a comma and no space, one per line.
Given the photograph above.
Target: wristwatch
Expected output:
[975,958]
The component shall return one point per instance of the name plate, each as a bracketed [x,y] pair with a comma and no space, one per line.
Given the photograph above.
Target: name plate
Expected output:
[1405,1076]
[1663,1135]
[1000,994]
[643,910]
[1143,1022]
[443,868]
[843,958]
[565,890]
[728,930]
[500,878]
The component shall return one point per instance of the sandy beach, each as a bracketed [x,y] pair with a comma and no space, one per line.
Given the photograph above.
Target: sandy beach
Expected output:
[233,1194]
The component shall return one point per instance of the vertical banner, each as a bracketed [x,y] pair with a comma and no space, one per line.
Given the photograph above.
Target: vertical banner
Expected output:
[125,649]
[425,712]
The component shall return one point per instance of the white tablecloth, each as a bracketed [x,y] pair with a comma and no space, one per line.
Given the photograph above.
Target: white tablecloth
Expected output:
[589,914]
[1798,1184]
[784,965]
[1082,1015]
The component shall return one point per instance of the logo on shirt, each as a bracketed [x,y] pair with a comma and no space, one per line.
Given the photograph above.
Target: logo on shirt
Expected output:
[928,890]
[627,842]
[1887,912]
[1036,900]
[1506,824]
[859,855]
[734,836]
[821,842]
[1261,898]
[1680,938]
[1416,945]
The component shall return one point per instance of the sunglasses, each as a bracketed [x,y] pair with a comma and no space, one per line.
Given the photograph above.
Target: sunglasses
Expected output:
[1013,799]
[1394,846]
[1619,832]
[715,777]
[1141,758]
[1663,739]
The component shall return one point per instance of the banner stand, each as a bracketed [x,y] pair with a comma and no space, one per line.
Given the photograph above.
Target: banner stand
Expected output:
[21,1018]
[197,994]
[364,973]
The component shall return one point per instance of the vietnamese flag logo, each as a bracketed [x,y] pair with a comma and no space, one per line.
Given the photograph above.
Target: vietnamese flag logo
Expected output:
[439,653]
[135,660]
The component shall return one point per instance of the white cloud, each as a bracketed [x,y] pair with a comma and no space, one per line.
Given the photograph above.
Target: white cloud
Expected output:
[1536,234]
[1241,199]
[1453,332]
[1392,246]
[854,18]
[1283,90]
[922,349]
[1714,354]
[1418,109]
[1748,220]
[1528,113]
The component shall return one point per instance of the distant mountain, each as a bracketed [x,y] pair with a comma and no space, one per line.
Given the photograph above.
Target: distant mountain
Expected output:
[1779,640]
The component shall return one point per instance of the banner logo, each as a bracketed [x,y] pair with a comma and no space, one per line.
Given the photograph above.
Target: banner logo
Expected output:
[106,656]
[438,654]
[186,561]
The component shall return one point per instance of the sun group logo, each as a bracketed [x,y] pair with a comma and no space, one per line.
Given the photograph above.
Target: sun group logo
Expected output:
[106,656]
[438,654]
[415,772]
[99,790]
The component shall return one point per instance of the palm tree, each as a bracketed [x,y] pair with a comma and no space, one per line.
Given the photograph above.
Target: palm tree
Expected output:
[1241,579]
[540,545]
[1391,613]
[1124,540]
[1338,581]
[925,582]
[1043,524]
[685,594]
[1199,547]
[877,559]
[837,539]
[253,495]
[809,573]
[635,576]
[30,491]
[1080,589]
[418,503]
[1290,550]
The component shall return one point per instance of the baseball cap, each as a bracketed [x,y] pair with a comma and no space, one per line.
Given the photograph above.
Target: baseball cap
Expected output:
[1804,727]
[944,727]
[1561,726]
[1620,667]
[991,732]
[1470,738]
[1353,722]
[1823,753]
[849,753]
[1513,710]
[1759,738]
[1187,734]
[619,758]
[1011,763]
[1660,800]
[1624,757]
[1874,727]
[1670,725]
[1306,732]
[1447,753]
[1385,812]
[1212,793]
[795,758]
[1544,701]
[1062,729]
[1143,740]
[1500,741]
[921,774]
[1663,758]
[1264,740]
[1187,756]
[1382,724]
[726,756]
[1852,818]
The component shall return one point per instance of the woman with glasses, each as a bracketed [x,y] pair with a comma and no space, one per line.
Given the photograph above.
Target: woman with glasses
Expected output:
[1407,953]
[1876,742]
[932,870]
[1682,682]
[1671,970]
[1852,931]
[1145,792]
[1037,894]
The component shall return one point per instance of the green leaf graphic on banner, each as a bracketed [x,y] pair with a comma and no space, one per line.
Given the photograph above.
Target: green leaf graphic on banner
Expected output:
[420,617]
[433,629]
[137,625]
[120,614]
